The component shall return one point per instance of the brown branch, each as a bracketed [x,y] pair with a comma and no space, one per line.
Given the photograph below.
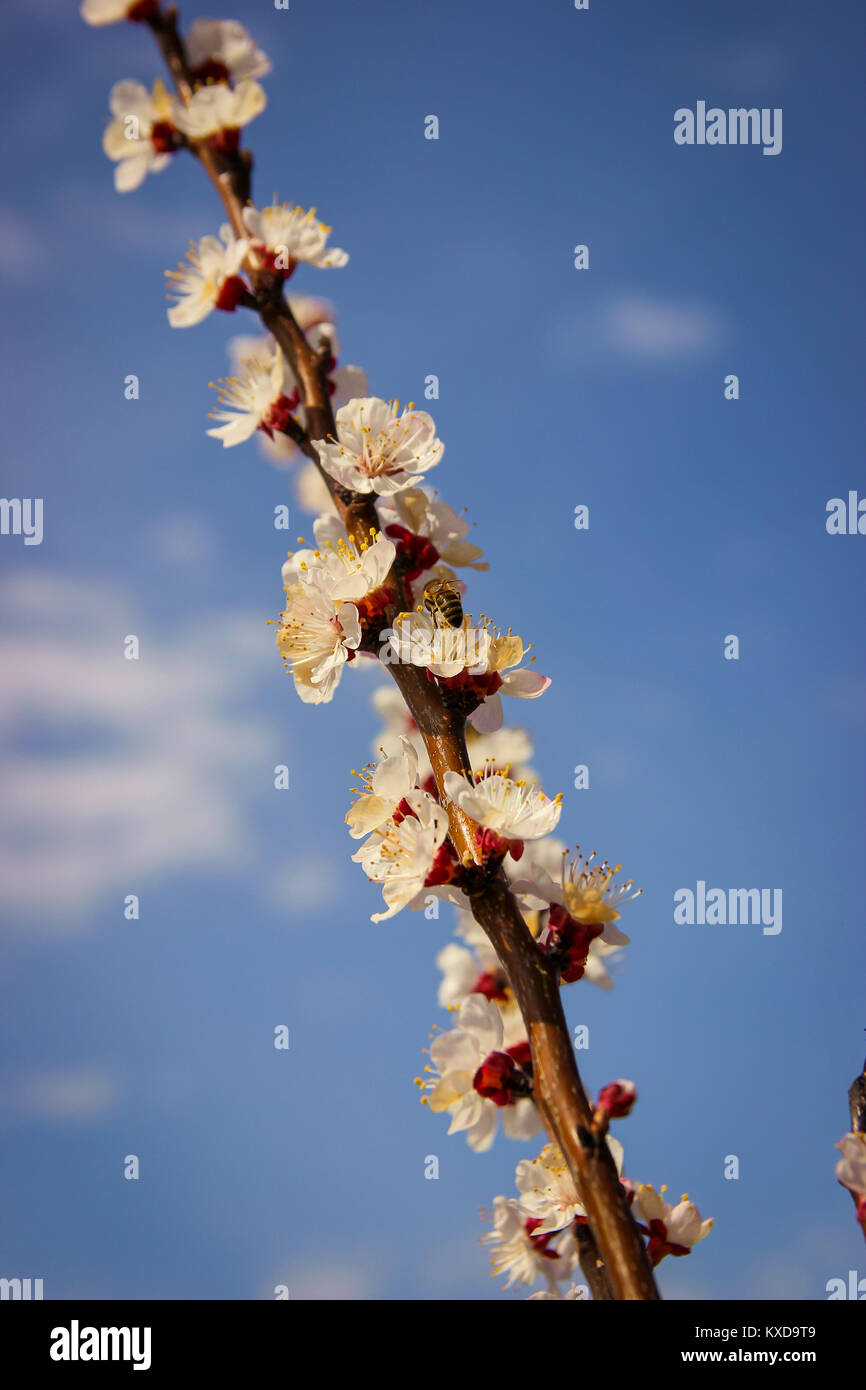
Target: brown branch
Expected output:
[591,1263]
[559,1092]
[560,1096]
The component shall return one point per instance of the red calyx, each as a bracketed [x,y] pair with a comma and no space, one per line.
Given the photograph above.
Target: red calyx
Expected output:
[226,141]
[211,70]
[445,863]
[403,810]
[493,845]
[520,1053]
[659,1245]
[616,1100]
[371,605]
[418,553]
[539,1243]
[568,943]
[486,684]
[232,291]
[280,413]
[494,1077]
[491,986]
[163,137]
[269,256]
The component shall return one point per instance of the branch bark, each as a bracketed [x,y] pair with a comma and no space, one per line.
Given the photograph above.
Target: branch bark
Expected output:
[561,1098]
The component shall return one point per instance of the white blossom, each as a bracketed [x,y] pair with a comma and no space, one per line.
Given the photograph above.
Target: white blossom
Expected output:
[435,522]
[547,1190]
[315,317]
[464,969]
[456,1057]
[292,234]
[505,653]
[401,854]
[377,448]
[139,137]
[587,891]
[219,108]
[416,639]
[255,401]
[208,279]
[338,567]
[515,810]
[386,786]
[673,1230]
[99,12]
[523,1259]
[316,638]
[224,49]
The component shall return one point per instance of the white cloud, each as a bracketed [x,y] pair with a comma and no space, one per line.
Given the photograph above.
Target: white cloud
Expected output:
[182,542]
[305,883]
[334,1278]
[121,771]
[645,327]
[639,327]
[60,1095]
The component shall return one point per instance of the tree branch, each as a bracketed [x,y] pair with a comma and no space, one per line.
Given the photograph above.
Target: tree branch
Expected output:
[591,1263]
[558,1088]
[560,1096]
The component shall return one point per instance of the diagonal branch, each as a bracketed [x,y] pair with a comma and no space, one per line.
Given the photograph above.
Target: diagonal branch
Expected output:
[613,1238]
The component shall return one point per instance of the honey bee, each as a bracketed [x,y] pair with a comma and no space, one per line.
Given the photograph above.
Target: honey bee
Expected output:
[442,599]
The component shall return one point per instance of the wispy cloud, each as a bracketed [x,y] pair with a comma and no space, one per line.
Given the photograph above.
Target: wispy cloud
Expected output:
[331,1279]
[182,542]
[306,883]
[640,327]
[61,1096]
[119,771]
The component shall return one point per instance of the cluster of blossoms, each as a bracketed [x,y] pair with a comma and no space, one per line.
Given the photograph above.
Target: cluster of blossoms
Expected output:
[533,1235]
[479,1071]
[148,127]
[408,850]
[317,320]
[394,595]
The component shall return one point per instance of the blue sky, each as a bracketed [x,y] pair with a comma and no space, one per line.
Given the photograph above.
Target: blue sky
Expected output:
[557,387]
